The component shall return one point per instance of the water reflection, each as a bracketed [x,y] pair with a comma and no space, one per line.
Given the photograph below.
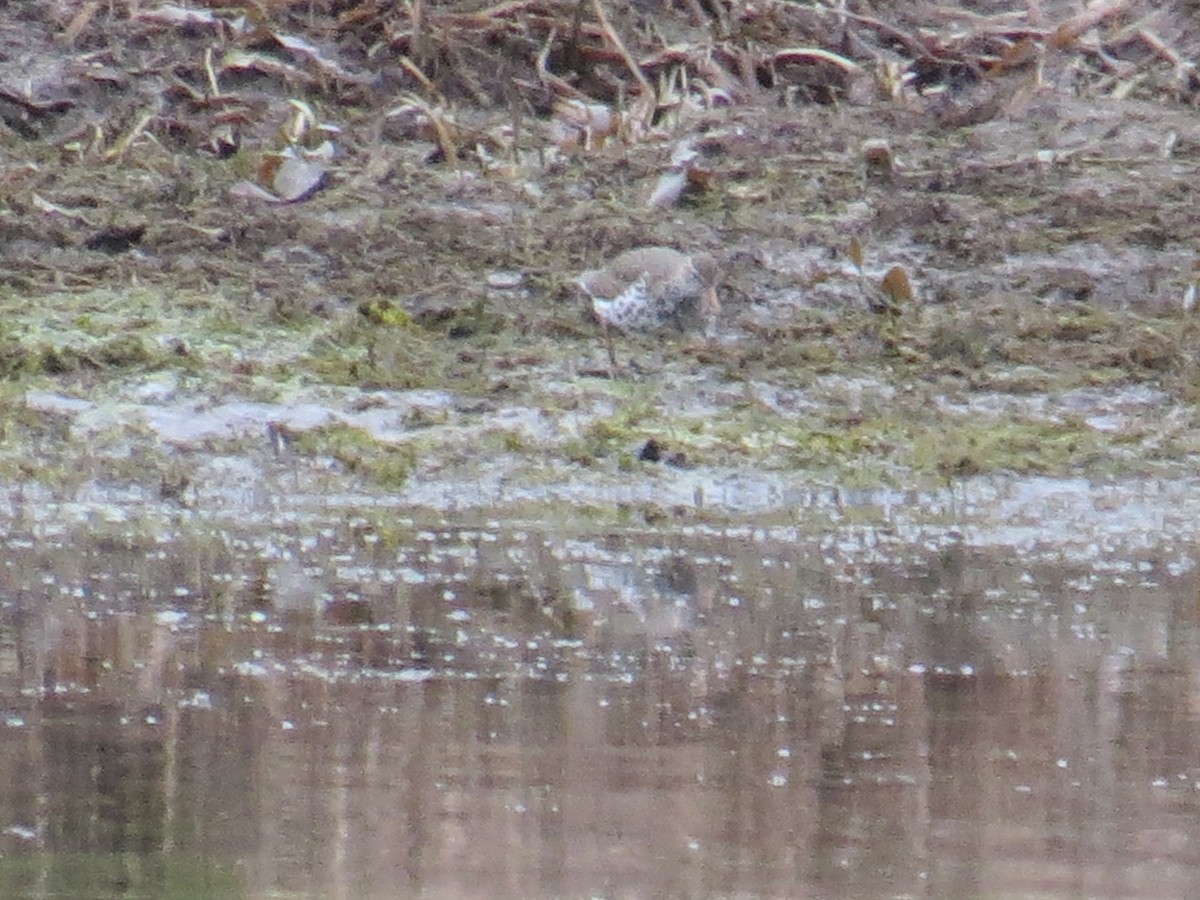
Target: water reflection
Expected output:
[493,712]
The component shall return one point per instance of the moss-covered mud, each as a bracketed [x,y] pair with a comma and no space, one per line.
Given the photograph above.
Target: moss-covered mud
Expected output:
[411,332]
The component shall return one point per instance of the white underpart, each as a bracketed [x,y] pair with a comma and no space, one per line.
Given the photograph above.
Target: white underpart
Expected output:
[625,308]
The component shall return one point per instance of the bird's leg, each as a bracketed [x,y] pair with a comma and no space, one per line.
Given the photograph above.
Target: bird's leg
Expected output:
[710,308]
[677,319]
[612,353]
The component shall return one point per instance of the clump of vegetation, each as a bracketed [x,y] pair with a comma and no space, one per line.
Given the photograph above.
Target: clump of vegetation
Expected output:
[384,350]
[388,465]
[977,447]
[125,351]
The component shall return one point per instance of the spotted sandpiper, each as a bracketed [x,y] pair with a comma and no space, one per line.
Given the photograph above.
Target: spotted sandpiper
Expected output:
[646,287]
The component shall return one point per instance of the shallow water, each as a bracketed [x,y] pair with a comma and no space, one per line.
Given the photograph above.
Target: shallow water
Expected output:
[208,707]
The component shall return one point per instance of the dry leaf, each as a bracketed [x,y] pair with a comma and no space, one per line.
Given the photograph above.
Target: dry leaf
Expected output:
[639,119]
[282,178]
[302,48]
[855,252]
[242,60]
[179,17]
[297,179]
[1070,30]
[80,22]
[669,190]
[246,190]
[43,205]
[815,54]
[897,286]
[877,153]
[700,179]
[582,125]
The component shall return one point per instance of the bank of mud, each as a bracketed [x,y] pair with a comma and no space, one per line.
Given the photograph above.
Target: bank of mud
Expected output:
[411,331]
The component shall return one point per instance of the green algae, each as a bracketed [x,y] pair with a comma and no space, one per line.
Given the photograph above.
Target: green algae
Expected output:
[386,465]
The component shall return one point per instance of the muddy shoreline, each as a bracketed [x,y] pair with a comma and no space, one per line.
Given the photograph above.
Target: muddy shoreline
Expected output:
[411,331]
